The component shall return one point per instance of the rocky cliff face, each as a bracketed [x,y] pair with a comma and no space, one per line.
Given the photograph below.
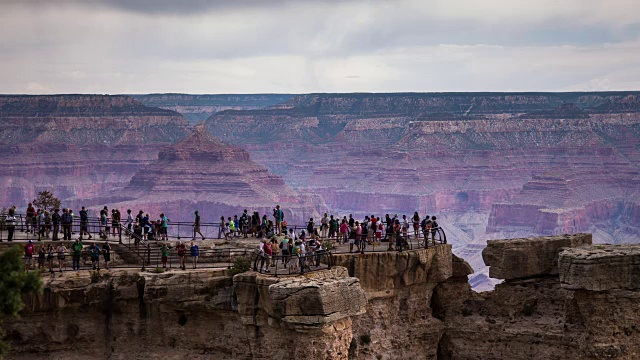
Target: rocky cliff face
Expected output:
[199,107]
[414,304]
[201,172]
[490,165]
[79,146]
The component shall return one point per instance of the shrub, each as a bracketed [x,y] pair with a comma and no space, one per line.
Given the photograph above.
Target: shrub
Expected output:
[240,265]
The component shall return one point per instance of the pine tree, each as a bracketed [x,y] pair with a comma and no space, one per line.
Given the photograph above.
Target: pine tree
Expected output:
[46,201]
[14,282]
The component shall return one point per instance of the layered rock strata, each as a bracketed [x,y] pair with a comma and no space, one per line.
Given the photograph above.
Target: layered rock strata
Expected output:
[521,258]
[601,267]
[201,172]
[78,146]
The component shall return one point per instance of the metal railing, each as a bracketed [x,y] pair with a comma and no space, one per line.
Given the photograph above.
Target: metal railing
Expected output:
[278,265]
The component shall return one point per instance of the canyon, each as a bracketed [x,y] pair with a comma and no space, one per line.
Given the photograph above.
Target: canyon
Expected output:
[488,165]
[562,298]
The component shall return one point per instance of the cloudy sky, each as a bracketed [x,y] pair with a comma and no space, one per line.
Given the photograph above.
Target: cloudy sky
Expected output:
[299,46]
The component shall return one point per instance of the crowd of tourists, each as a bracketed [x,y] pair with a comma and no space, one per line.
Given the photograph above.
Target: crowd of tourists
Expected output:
[51,257]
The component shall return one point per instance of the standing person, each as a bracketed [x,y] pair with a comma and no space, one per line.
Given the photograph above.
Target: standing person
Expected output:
[56,219]
[94,252]
[67,221]
[196,226]
[41,227]
[358,237]
[165,254]
[236,225]
[50,251]
[146,226]
[164,227]
[244,223]
[405,227]
[106,225]
[278,215]
[324,226]
[221,228]
[333,227]
[389,229]
[10,223]
[284,249]
[76,249]
[344,229]
[103,224]
[42,254]
[434,229]
[416,224]
[84,223]
[266,250]
[397,228]
[378,231]
[232,227]
[182,251]
[62,252]
[28,255]
[115,222]
[31,213]
[195,253]
[310,226]
[426,229]
[47,224]
[129,222]
[106,253]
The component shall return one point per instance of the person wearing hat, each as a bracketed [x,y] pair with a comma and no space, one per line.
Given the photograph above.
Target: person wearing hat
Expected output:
[28,255]
[196,226]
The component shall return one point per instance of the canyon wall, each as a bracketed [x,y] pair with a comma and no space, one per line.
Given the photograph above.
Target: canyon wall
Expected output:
[568,300]
[489,165]
[199,107]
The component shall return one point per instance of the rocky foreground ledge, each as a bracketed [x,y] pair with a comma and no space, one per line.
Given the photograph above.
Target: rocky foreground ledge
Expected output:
[561,299]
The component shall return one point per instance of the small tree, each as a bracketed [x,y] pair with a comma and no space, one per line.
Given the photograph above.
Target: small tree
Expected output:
[14,282]
[46,201]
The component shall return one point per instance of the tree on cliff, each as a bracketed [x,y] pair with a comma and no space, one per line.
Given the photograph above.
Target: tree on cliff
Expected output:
[14,282]
[46,201]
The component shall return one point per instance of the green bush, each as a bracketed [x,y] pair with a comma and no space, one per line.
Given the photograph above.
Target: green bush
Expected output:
[240,265]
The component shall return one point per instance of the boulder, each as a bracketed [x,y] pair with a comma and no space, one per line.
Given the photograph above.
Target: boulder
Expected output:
[522,258]
[600,267]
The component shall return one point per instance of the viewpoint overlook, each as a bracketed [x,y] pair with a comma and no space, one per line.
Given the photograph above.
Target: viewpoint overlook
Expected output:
[489,165]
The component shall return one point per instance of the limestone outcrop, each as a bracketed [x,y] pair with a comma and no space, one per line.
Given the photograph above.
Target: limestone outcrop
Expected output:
[522,258]
[600,267]
[432,314]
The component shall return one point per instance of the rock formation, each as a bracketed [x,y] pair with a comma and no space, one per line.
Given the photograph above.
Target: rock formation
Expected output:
[78,146]
[199,107]
[385,305]
[201,172]
[490,165]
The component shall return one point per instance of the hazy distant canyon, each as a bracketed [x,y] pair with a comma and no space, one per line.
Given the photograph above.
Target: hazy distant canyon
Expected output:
[489,165]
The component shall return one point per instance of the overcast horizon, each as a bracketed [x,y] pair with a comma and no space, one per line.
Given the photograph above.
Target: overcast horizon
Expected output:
[305,46]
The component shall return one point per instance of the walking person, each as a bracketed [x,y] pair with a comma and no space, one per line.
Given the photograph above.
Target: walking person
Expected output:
[196,226]
[195,253]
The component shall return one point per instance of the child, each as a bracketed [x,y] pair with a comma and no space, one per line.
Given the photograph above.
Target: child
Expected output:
[165,254]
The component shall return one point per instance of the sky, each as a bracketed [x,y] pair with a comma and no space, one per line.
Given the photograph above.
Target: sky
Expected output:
[303,46]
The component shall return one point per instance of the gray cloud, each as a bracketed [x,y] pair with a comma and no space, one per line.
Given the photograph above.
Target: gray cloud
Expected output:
[306,46]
